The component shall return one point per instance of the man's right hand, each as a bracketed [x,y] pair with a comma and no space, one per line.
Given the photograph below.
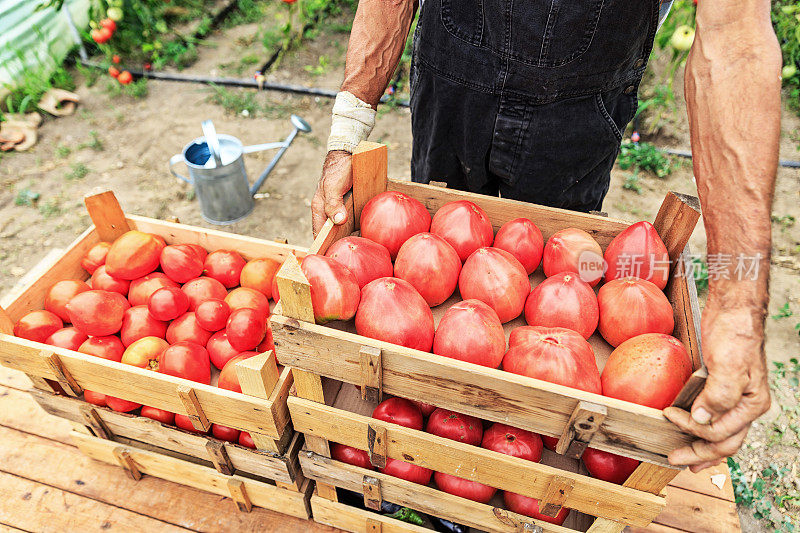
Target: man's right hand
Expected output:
[336,180]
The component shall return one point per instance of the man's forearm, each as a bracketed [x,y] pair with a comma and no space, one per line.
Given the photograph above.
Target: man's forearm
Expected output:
[379,33]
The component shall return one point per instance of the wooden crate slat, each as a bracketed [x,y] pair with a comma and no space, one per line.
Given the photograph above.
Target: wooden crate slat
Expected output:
[107,215]
[491,468]
[349,518]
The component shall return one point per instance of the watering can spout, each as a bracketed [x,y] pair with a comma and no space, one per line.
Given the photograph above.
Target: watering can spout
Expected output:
[299,125]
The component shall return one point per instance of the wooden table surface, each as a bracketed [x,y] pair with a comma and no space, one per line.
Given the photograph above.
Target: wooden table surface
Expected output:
[46,484]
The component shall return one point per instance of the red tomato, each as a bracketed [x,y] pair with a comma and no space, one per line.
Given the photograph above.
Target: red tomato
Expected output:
[38,326]
[464,225]
[225,433]
[334,289]
[267,344]
[102,281]
[242,297]
[168,303]
[520,504]
[407,471]
[108,24]
[137,323]
[350,455]
[366,259]
[258,274]
[471,490]
[212,314]
[125,77]
[246,440]
[455,426]
[399,411]
[392,310]
[631,307]
[101,35]
[225,266]
[228,379]
[186,328]
[133,255]
[69,338]
[95,257]
[522,239]
[202,253]
[97,313]
[108,347]
[165,417]
[62,292]
[496,278]
[186,360]
[639,252]
[180,262]
[113,72]
[556,355]
[185,423]
[142,288]
[145,352]
[650,370]
[95,398]
[201,289]
[513,441]
[425,408]
[430,265]
[470,331]
[246,329]
[220,350]
[550,442]
[608,466]
[391,218]
[120,405]
[573,250]
[275,295]
[563,301]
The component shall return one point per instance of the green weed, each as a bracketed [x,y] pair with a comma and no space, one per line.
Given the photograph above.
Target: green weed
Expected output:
[94,142]
[645,156]
[783,312]
[78,172]
[135,89]
[62,151]
[26,197]
[632,183]
[700,274]
[319,69]
[50,208]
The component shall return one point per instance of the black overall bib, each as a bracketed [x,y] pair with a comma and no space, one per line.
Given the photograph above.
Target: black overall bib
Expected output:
[527,98]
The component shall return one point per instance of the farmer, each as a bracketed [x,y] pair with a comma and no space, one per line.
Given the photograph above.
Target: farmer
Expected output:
[529,99]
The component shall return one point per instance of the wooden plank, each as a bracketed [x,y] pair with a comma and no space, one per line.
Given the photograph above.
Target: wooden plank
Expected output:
[557,493]
[584,422]
[197,476]
[330,232]
[477,464]
[348,518]
[690,511]
[62,375]
[107,215]
[370,167]
[422,498]
[675,222]
[295,291]
[701,482]
[258,377]
[125,460]
[371,374]
[539,406]
[238,493]
[373,496]
[219,457]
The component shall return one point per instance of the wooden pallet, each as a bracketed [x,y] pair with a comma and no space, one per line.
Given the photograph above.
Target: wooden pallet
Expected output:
[334,353]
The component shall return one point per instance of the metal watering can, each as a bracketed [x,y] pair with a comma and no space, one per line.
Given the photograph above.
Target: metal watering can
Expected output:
[216,169]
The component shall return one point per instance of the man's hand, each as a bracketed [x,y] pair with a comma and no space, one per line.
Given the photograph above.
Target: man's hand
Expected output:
[336,180]
[736,391]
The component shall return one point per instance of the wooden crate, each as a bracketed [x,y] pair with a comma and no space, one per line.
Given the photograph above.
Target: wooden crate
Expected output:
[324,357]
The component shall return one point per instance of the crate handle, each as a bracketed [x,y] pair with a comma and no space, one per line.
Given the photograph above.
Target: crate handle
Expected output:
[584,422]
[258,375]
[371,373]
[126,461]
[295,291]
[95,423]
[370,164]
[219,457]
[63,376]
[107,215]
[376,438]
[557,493]
[373,496]
[193,409]
[374,526]
[239,495]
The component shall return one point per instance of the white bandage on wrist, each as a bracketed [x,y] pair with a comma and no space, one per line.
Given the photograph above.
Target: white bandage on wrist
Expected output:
[353,120]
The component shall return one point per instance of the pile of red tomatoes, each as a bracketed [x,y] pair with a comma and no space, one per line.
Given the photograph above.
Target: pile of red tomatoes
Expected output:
[174,309]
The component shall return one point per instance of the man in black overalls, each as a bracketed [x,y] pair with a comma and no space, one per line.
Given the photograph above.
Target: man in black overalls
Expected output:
[528,99]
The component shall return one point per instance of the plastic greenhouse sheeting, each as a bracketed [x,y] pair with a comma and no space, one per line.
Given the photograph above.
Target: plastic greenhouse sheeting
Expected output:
[31,39]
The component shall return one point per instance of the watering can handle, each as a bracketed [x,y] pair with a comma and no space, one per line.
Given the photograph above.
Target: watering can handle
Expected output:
[174,160]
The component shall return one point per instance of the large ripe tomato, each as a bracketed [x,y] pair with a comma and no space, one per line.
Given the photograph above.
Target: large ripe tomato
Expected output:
[186,360]
[213,314]
[520,504]
[608,466]
[391,218]
[573,250]
[557,355]
[409,472]
[186,328]
[107,347]
[639,252]
[522,239]
[102,281]
[134,254]
[464,225]
[228,379]
[425,408]
[430,265]
[550,442]
[168,303]
[142,288]
[399,411]
[258,274]
[95,257]
[334,289]
[246,329]
[201,252]
[38,325]
[350,455]
[225,266]
[470,331]
[97,313]
[631,307]
[392,310]
[650,370]
[137,322]
[224,433]
[185,423]
[165,417]
[275,294]
[268,343]
[145,352]
[62,292]
[455,426]
[496,278]
[69,338]
[563,301]
[94,398]
[513,441]
[242,297]
[220,350]
[181,262]
[201,289]
[471,490]
[246,440]
[366,259]
[120,405]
